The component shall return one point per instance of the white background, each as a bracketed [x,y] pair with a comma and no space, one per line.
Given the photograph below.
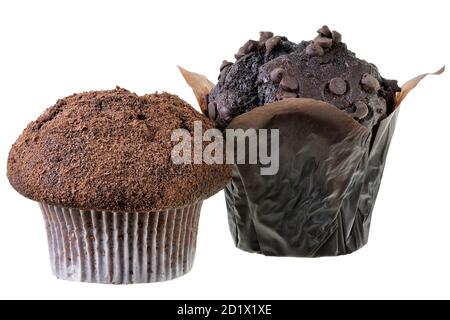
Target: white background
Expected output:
[51,49]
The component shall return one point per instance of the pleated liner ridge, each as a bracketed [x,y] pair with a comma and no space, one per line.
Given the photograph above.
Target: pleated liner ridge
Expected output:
[121,247]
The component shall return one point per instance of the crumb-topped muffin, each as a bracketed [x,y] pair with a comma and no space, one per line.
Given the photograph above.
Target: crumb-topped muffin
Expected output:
[99,163]
[111,150]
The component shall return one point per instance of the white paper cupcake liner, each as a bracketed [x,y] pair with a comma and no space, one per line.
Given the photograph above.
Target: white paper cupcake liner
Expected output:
[121,247]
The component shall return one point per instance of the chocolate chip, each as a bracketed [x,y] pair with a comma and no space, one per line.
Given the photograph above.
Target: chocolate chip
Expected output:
[314,50]
[338,86]
[276,75]
[226,113]
[212,110]
[325,43]
[325,32]
[224,69]
[272,43]
[251,45]
[265,35]
[380,106]
[248,47]
[223,73]
[289,83]
[337,37]
[287,95]
[360,110]
[370,83]
[225,64]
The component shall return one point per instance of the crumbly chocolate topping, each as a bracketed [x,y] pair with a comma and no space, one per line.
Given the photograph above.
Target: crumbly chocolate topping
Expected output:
[274,68]
[111,150]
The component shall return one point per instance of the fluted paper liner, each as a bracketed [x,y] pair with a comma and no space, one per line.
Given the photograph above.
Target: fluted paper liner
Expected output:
[121,247]
[321,201]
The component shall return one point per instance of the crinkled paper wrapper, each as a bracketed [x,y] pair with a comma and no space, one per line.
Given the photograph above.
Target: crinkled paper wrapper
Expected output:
[320,203]
[121,247]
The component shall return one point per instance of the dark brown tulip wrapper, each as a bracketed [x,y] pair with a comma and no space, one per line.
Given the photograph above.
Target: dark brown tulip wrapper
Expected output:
[320,202]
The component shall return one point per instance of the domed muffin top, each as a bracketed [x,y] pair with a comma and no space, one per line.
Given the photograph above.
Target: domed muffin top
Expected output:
[111,150]
[275,68]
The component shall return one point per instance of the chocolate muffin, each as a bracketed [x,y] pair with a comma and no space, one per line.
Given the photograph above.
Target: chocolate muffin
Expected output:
[117,209]
[332,117]
[275,68]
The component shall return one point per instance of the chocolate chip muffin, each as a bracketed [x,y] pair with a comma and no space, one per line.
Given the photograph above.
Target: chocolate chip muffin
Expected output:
[117,209]
[326,168]
[275,68]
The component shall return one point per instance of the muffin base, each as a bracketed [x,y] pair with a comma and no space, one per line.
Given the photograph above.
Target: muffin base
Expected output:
[121,247]
[320,203]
